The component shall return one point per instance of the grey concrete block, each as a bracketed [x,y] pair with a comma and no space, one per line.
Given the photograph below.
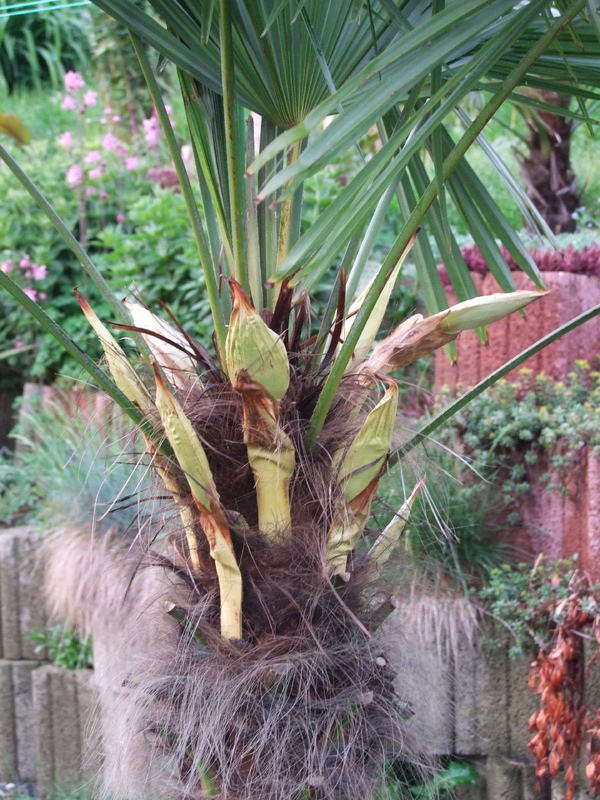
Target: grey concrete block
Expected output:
[8,736]
[66,731]
[64,712]
[521,704]
[481,697]
[503,780]
[528,783]
[21,601]
[424,670]
[9,594]
[43,729]
[17,755]
[23,716]
[90,760]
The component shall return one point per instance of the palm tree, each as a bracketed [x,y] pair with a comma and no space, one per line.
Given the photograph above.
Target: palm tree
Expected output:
[546,162]
[272,441]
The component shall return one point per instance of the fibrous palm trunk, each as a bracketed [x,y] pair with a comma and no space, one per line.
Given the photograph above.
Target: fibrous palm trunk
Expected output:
[546,167]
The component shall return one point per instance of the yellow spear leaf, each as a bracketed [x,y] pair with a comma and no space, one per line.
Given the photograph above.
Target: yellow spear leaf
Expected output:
[482,311]
[359,475]
[254,348]
[368,452]
[418,336]
[194,463]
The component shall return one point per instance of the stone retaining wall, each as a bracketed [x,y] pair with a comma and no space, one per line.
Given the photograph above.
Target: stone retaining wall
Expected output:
[47,714]
[468,702]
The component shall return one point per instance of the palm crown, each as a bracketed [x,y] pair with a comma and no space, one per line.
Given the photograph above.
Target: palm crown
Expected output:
[271,447]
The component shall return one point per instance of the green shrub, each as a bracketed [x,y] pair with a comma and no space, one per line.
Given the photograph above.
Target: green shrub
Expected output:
[528,601]
[64,647]
[508,428]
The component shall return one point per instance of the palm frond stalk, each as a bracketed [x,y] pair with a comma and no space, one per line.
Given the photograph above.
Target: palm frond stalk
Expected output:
[274,443]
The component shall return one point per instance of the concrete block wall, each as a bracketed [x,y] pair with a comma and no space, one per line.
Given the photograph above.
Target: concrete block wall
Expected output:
[65,729]
[474,703]
[21,603]
[47,714]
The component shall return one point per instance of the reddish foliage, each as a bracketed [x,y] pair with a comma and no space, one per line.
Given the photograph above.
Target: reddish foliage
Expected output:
[557,677]
[580,262]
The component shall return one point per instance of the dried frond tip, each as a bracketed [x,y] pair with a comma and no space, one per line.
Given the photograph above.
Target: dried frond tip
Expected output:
[120,368]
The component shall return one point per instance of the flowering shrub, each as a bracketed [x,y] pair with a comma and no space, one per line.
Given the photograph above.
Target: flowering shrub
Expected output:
[95,171]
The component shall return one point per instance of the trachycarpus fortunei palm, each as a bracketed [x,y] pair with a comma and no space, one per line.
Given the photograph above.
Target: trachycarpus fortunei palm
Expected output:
[256,365]
[271,449]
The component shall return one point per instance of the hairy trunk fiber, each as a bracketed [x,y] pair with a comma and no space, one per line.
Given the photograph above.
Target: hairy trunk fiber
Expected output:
[546,168]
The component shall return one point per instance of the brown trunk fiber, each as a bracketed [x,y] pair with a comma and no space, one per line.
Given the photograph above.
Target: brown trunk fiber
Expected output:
[546,168]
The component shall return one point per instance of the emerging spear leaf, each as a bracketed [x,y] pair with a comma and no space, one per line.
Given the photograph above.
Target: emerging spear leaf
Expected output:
[192,460]
[418,336]
[358,475]
[483,310]
[254,348]
[389,538]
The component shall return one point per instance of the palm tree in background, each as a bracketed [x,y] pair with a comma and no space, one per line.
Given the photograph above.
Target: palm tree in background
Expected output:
[271,440]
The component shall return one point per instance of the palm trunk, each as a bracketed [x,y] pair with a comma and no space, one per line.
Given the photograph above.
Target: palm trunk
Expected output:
[546,167]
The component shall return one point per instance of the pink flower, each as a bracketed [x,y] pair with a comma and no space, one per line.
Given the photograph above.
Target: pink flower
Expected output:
[103,196]
[6,266]
[31,293]
[96,173]
[68,103]
[42,295]
[38,273]
[107,110]
[103,120]
[131,163]
[93,156]
[116,118]
[120,218]
[74,176]
[90,98]
[89,191]
[25,262]
[121,151]
[73,81]
[66,139]
[151,131]
[110,141]
[18,344]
